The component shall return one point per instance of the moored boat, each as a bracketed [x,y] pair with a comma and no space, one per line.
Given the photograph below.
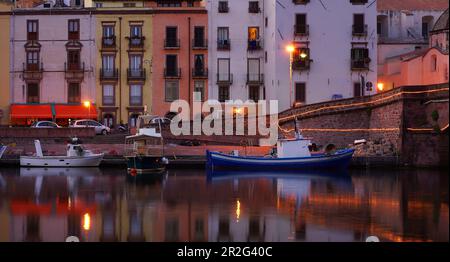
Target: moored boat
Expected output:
[292,154]
[144,151]
[77,156]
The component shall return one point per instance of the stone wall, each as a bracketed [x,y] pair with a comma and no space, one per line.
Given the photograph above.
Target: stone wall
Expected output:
[27,132]
[387,121]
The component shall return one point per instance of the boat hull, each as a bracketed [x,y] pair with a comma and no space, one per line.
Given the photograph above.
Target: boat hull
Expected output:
[61,161]
[145,164]
[340,160]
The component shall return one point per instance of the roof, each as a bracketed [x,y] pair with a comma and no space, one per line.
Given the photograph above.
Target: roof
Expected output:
[442,22]
[411,5]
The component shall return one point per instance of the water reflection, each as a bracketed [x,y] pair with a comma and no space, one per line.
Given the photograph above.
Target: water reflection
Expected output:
[186,205]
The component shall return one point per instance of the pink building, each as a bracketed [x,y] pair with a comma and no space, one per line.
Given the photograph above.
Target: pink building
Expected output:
[423,66]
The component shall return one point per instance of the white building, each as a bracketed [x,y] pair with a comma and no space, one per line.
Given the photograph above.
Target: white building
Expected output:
[404,26]
[334,57]
[52,58]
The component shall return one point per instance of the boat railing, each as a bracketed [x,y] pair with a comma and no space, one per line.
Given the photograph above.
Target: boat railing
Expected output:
[145,150]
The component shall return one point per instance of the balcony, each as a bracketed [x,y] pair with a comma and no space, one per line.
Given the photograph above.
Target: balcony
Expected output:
[32,71]
[359,30]
[74,72]
[136,42]
[301,30]
[138,75]
[172,43]
[224,44]
[107,74]
[300,65]
[224,79]
[109,42]
[199,44]
[361,64]
[200,73]
[255,79]
[172,73]
[254,45]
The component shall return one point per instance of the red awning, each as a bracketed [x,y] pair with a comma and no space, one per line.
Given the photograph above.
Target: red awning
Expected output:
[28,207]
[75,111]
[31,111]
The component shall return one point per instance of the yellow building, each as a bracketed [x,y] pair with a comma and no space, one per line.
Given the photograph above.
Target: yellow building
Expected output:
[124,57]
[5,8]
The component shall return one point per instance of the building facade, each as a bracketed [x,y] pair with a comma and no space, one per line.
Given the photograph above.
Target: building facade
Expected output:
[180,53]
[5,8]
[328,60]
[52,71]
[404,27]
[425,66]
[124,55]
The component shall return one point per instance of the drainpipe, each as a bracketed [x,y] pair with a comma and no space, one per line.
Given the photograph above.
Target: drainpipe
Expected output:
[120,69]
[189,60]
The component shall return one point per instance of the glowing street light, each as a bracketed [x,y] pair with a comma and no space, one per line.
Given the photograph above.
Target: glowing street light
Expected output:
[290,48]
[87,104]
[380,86]
[303,55]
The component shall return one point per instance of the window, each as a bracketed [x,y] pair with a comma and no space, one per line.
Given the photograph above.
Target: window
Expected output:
[433,63]
[199,89]
[199,65]
[301,58]
[32,60]
[108,95]
[223,69]
[427,22]
[133,119]
[74,29]
[136,38]
[32,30]
[77,2]
[253,7]
[108,65]
[73,59]
[359,28]
[358,2]
[33,93]
[171,90]
[360,58]
[224,93]
[136,95]
[300,92]
[98,5]
[171,65]
[74,93]
[135,65]
[223,7]
[301,27]
[223,38]
[199,230]
[253,70]
[199,36]
[108,225]
[171,37]
[168,3]
[253,93]
[253,38]
[108,35]
[357,91]
[172,230]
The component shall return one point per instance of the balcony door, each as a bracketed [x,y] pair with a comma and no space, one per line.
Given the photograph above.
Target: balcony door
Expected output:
[171,65]
[135,65]
[74,93]
[171,36]
[73,59]
[108,65]
[199,66]
[300,23]
[199,36]
[253,70]
[32,60]
[223,69]
[33,93]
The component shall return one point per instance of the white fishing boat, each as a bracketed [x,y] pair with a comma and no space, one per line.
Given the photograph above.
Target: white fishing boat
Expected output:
[76,156]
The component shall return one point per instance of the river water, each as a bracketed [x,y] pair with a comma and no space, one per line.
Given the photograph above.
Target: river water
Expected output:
[190,205]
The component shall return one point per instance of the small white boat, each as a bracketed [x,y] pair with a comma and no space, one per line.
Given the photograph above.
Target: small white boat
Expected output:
[76,156]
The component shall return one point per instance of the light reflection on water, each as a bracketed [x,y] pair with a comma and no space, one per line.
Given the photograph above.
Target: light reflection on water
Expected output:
[187,205]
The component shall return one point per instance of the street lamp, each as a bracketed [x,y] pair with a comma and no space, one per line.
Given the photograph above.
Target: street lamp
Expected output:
[290,49]
[380,87]
[87,104]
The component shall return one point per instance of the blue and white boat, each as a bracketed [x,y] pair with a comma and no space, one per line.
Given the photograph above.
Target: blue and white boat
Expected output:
[292,154]
[2,150]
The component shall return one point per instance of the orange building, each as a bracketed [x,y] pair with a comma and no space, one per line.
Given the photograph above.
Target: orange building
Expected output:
[180,53]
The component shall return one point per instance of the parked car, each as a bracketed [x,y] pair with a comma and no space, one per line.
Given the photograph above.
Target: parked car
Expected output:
[99,128]
[45,124]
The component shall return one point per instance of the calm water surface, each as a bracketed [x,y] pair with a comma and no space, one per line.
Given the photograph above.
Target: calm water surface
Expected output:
[187,205]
